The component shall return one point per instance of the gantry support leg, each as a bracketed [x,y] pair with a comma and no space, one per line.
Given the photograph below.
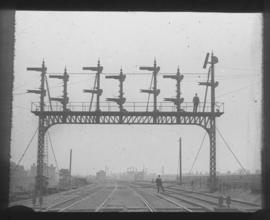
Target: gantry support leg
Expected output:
[212,140]
[39,184]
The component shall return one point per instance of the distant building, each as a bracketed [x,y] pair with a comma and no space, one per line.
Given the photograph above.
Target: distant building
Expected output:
[133,175]
[139,176]
[64,179]
[91,178]
[20,179]
[79,181]
[101,175]
[52,175]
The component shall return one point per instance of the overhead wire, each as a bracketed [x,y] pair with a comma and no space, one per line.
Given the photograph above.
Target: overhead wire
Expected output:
[17,106]
[238,68]
[218,77]
[20,93]
[239,89]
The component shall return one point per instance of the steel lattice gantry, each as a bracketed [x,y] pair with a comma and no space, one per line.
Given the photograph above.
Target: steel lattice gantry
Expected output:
[176,112]
[205,120]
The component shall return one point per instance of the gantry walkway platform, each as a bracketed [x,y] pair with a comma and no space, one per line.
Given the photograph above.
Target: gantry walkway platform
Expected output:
[134,113]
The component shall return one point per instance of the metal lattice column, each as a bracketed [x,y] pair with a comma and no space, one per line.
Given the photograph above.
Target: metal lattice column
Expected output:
[39,187]
[212,140]
[212,134]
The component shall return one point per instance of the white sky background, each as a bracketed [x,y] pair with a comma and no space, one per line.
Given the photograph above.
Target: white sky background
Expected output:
[130,40]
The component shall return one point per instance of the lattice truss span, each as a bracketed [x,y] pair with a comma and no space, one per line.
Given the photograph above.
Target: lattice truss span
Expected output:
[164,118]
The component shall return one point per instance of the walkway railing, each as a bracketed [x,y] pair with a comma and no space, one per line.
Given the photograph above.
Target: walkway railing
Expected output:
[128,106]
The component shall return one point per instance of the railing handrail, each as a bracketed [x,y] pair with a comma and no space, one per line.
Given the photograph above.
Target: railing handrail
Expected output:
[135,102]
[130,106]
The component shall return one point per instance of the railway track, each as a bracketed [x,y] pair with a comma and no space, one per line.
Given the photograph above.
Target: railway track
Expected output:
[216,197]
[104,208]
[148,203]
[179,206]
[206,201]
[201,205]
[102,205]
[65,204]
[51,199]
[138,197]
[193,205]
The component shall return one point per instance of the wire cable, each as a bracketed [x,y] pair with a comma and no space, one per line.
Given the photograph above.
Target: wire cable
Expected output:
[20,93]
[196,157]
[18,163]
[50,140]
[206,89]
[149,93]
[231,150]
[49,96]
[92,95]
[18,106]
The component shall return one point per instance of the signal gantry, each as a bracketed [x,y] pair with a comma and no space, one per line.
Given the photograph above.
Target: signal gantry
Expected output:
[205,117]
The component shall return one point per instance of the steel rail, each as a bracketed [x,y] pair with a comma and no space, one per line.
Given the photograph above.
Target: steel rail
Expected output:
[216,197]
[184,193]
[73,198]
[146,203]
[189,202]
[80,200]
[175,203]
[106,200]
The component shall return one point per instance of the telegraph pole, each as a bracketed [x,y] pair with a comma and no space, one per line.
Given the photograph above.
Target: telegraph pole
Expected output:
[180,161]
[70,163]
[40,178]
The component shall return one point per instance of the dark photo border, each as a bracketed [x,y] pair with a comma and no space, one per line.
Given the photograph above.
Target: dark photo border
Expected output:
[7,42]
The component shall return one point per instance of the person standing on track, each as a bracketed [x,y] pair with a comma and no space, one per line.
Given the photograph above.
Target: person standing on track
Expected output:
[159,184]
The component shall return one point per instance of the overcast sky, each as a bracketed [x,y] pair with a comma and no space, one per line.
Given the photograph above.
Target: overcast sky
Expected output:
[130,40]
